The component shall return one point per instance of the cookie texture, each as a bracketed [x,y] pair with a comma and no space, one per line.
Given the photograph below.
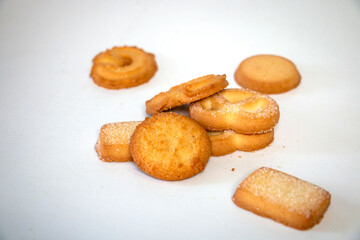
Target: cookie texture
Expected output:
[267,74]
[244,111]
[113,144]
[170,146]
[188,92]
[284,198]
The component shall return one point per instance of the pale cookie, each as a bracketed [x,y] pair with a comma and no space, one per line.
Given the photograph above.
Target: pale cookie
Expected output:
[229,141]
[188,92]
[283,198]
[114,140]
[170,146]
[243,111]
[267,74]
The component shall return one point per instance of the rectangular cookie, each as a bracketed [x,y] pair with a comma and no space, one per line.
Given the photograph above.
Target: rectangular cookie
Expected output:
[114,140]
[283,198]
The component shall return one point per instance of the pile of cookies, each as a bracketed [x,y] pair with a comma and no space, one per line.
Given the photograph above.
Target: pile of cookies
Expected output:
[172,147]
[237,119]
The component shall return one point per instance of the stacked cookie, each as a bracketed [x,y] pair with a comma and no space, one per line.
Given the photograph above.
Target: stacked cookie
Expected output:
[170,146]
[237,119]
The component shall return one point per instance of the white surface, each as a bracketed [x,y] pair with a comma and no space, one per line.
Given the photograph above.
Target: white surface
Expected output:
[52,185]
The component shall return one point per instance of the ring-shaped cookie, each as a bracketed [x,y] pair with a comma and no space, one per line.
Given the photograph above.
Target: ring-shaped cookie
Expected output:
[267,74]
[243,111]
[229,141]
[123,67]
[186,93]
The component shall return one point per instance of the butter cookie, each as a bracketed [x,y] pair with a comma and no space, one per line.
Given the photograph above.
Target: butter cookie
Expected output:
[267,74]
[170,146]
[188,92]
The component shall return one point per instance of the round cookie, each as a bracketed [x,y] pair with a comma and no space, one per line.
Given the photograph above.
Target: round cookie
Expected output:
[170,146]
[187,92]
[267,74]
[123,67]
[243,111]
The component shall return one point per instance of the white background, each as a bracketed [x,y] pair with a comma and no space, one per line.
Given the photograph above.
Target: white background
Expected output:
[53,186]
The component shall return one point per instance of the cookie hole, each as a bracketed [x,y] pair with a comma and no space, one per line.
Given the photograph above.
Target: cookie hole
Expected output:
[125,61]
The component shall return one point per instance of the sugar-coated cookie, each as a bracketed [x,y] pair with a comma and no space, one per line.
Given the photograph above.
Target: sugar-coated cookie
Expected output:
[283,198]
[114,140]
[243,111]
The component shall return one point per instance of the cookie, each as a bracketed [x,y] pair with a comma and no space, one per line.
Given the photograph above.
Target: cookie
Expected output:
[267,74]
[114,140]
[186,93]
[123,67]
[170,146]
[283,198]
[229,141]
[243,111]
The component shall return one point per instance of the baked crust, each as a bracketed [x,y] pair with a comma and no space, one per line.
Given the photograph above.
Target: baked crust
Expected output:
[188,92]
[170,146]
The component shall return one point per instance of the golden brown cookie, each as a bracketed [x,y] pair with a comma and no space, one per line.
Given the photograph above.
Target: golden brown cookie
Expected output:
[243,111]
[114,140]
[170,146]
[186,93]
[123,67]
[229,141]
[283,198]
[267,74]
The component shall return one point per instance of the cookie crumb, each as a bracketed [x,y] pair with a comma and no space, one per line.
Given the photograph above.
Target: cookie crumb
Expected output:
[239,156]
